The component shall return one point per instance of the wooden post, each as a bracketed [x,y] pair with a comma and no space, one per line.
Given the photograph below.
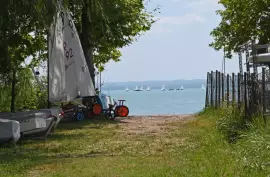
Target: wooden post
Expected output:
[228,90]
[219,90]
[263,95]
[222,87]
[216,90]
[253,106]
[239,90]
[245,94]
[212,90]
[233,88]
[206,91]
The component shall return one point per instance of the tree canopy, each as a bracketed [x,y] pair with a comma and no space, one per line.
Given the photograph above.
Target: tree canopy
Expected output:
[104,27]
[241,21]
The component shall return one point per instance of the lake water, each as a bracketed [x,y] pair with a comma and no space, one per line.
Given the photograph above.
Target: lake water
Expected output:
[156,102]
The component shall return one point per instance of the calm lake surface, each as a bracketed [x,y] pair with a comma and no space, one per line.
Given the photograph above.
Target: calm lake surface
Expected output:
[157,102]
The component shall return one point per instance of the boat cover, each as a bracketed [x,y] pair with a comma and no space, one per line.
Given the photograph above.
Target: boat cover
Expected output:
[9,130]
[28,120]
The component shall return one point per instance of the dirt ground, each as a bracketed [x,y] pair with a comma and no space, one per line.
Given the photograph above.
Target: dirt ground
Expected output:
[151,124]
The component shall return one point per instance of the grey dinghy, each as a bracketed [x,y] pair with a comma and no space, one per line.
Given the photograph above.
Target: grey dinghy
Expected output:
[9,131]
[33,122]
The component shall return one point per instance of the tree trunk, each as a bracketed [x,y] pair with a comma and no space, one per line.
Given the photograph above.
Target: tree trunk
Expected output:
[86,41]
[13,94]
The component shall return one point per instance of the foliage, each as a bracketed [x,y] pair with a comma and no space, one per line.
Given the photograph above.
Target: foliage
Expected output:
[252,146]
[230,121]
[28,93]
[104,27]
[241,21]
[111,25]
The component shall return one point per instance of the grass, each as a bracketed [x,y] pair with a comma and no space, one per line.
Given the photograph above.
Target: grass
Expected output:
[110,148]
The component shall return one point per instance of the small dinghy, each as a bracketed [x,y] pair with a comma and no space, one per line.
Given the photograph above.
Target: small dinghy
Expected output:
[55,112]
[29,120]
[34,123]
[50,122]
[9,131]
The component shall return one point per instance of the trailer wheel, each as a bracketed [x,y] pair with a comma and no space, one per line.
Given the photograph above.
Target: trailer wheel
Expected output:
[80,116]
[97,109]
[122,111]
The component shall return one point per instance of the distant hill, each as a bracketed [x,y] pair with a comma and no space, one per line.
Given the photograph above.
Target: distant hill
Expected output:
[196,83]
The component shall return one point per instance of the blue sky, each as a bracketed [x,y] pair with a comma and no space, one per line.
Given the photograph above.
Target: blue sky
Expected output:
[176,47]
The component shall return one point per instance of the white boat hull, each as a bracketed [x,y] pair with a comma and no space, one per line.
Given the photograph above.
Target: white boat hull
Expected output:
[9,131]
[50,122]
[55,111]
[29,121]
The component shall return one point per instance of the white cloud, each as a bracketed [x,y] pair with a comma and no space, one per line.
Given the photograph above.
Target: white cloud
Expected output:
[204,5]
[167,24]
[179,20]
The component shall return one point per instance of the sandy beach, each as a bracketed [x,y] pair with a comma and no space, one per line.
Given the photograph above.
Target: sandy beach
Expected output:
[151,123]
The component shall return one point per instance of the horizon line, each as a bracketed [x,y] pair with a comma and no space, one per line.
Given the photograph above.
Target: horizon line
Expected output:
[156,80]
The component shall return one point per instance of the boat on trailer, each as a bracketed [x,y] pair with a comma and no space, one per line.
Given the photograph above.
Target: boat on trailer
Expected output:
[9,131]
[32,123]
[69,77]
[55,112]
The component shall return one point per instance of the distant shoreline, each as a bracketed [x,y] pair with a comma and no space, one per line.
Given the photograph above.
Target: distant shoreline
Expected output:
[174,84]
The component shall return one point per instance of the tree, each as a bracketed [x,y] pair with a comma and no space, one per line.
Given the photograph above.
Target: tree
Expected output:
[106,26]
[17,42]
[241,21]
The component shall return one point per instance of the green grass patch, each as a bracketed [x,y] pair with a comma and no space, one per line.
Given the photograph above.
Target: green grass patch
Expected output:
[101,148]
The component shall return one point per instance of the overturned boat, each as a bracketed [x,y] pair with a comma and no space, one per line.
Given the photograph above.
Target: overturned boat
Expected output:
[34,123]
[9,131]
[55,112]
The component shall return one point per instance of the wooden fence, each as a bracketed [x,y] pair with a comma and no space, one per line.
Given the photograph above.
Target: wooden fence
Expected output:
[240,90]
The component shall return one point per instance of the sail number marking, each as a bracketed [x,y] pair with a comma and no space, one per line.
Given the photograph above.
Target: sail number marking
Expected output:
[68,53]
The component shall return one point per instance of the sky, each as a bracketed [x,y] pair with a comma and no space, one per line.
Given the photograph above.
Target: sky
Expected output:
[176,47]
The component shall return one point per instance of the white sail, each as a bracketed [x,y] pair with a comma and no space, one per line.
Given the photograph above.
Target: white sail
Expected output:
[69,76]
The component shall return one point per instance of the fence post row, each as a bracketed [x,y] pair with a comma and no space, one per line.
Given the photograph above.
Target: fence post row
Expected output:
[206,91]
[228,90]
[216,89]
[211,90]
[248,93]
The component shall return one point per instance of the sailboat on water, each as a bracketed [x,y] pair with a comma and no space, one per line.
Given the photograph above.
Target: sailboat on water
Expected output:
[138,89]
[141,88]
[148,89]
[163,88]
[203,87]
[126,90]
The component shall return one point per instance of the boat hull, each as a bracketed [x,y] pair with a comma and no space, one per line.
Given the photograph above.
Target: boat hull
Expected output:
[42,132]
[9,131]
[29,120]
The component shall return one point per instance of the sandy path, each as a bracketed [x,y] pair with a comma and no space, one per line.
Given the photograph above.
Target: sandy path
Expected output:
[151,124]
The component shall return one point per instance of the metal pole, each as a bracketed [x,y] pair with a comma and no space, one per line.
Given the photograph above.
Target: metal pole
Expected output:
[224,64]
[100,81]
[48,71]
[96,84]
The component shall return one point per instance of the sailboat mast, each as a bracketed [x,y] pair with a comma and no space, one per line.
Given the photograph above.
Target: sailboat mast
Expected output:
[100,84]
